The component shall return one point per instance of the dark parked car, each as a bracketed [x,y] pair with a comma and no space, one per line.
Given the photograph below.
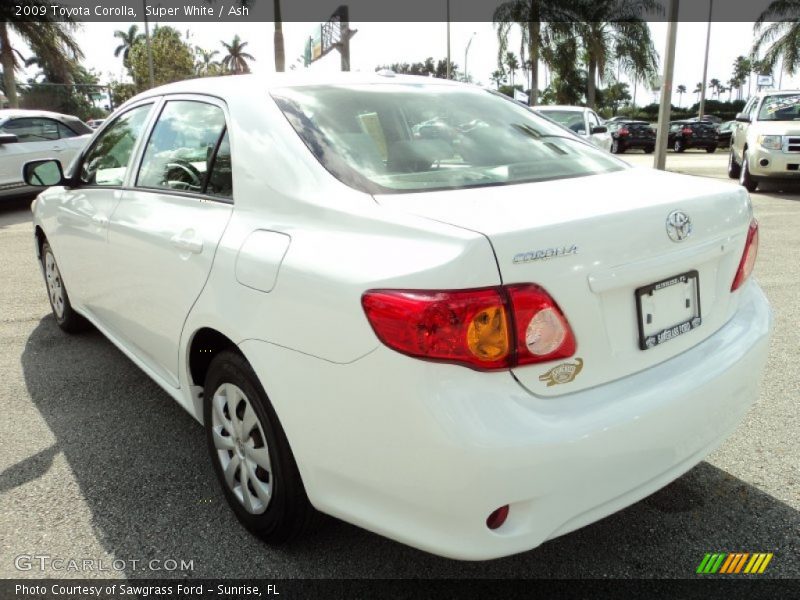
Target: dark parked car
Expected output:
[724,133]
[631,134]
[693,134]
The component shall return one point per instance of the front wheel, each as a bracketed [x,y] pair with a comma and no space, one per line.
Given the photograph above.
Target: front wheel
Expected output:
[649,150]
[711,150]
[67,319]
[745,179]
[251,455]
[734,169]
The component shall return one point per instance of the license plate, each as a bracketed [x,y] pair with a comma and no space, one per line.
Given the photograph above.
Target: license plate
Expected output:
[668,309]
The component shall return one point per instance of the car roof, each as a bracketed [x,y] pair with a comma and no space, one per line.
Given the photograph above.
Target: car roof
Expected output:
[235,85]
[564,107]
[778,92]
[16,113]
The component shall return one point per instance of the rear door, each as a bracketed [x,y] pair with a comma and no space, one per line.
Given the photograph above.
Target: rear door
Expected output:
[164,232]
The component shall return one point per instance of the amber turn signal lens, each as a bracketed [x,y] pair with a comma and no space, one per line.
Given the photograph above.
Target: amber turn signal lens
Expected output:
[487,334]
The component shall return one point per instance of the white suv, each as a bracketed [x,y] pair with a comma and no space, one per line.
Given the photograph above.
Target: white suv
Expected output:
[765,142]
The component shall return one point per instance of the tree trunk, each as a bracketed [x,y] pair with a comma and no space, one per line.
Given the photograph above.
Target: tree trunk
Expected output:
[592,76]
[7,60]
[534,28]
[280,54]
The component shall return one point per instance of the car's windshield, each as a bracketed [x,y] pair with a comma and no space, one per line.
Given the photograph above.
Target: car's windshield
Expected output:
[784,107]
[568,118]
[385,138]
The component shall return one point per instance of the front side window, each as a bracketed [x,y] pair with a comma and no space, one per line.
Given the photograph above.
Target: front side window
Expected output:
[32,129]
[106,162]
[780,108]
[180,151]
[570,119]
[383,138]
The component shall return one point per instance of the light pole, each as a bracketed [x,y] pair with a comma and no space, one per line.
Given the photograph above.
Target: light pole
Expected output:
[466,52]
[149,47]
[448,39]
[705,63]
[662,134]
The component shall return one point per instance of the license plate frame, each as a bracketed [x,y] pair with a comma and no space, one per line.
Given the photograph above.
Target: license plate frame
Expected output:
[652,339]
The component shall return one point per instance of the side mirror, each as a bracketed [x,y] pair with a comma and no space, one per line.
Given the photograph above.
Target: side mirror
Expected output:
[8,138]
[43,173]
[743,118]
[600,129]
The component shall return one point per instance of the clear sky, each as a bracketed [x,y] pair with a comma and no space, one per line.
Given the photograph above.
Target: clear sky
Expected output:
[384,43]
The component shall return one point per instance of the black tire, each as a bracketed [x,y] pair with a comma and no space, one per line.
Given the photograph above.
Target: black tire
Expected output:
[68,320]
[679,146]
[734,169]
[649,150]
[616,148]
[711,149]
[288,513]
[745,179]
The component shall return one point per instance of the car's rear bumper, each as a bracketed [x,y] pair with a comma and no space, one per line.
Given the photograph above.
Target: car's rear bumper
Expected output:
[424,452]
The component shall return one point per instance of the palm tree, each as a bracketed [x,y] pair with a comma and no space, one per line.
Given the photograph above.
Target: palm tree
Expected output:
[697,90]
[532,18]
[780,39]
[512,64]
[715,84]
[611,30]
[280,53]
[236,59]
[681,91]
[498,77]
[50,40]
[741,73]
[205,64]
[127,39]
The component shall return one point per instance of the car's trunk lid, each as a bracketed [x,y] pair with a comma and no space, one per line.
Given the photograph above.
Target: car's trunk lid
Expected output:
[591,242]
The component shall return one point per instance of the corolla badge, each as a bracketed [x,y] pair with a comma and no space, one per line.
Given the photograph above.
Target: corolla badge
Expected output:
[679,226]
[563,373]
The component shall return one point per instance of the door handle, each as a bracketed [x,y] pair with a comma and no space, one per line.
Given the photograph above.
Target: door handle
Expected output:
[100,220]
[193,245]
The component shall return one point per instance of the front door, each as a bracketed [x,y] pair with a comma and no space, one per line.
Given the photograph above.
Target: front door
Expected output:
[164,232]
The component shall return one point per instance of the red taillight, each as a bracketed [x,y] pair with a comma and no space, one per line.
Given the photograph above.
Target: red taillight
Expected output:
[497,518]
[623,132]
[686,131]
[488,328]
[749,255]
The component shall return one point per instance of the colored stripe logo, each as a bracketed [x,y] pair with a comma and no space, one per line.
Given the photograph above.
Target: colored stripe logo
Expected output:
[735,562]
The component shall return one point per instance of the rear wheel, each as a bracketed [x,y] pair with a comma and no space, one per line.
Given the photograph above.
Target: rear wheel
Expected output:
[251,455]
[745,179]
[679,146]
[649,150]
[615,147]
[734,169]
[65,316]
[711,149]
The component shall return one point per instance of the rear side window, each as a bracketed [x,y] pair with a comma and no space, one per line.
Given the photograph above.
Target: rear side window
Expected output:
[32,129]
[384,138]
[106,162]
[181,150]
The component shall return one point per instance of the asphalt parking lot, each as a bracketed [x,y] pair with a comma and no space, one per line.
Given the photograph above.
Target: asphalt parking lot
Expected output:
[97,462]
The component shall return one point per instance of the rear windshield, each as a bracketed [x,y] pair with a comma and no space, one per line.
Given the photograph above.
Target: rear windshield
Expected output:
[385,138]
[780,108]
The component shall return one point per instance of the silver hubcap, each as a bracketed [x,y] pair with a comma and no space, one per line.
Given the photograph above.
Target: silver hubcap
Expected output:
[241,448]
[54,286]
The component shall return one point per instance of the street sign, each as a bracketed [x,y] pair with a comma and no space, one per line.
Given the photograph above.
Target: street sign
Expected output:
[765,80]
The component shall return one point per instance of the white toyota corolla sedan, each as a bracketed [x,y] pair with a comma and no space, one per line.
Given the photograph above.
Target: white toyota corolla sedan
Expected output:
[409,303]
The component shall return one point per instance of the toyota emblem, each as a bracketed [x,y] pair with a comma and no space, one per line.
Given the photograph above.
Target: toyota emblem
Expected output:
[679,226]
